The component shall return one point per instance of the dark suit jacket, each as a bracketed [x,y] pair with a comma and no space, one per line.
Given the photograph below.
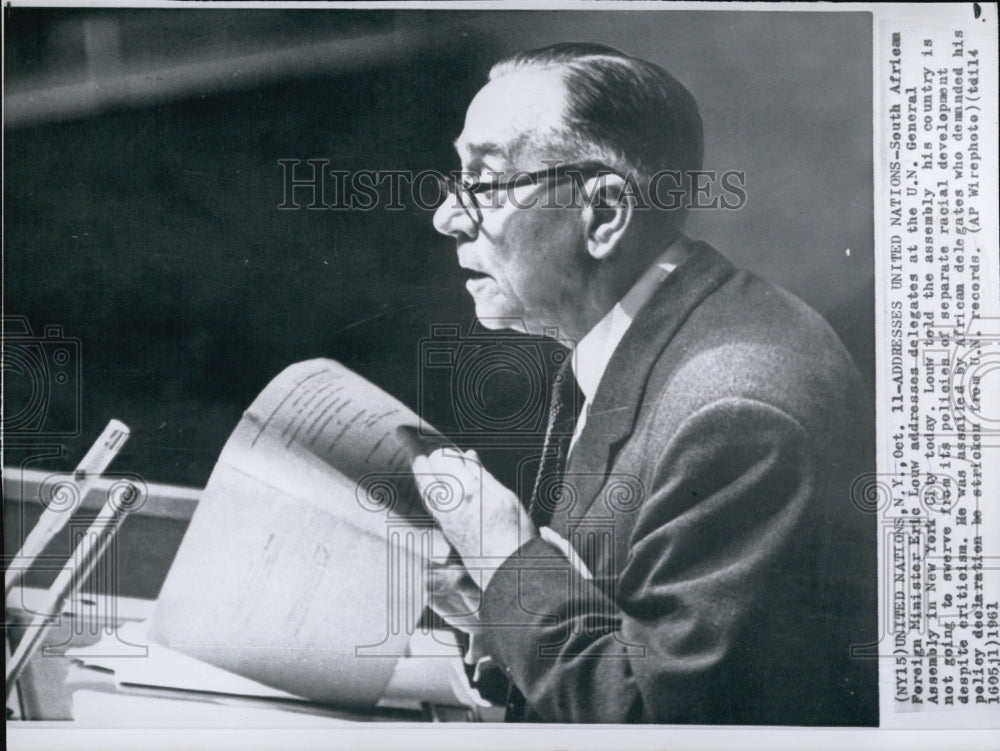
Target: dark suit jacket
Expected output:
[710,496]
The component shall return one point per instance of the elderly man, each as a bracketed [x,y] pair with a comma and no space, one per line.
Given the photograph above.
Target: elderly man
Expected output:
[700,559]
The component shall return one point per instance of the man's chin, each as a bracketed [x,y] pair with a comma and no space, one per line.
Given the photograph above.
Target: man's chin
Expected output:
[497,321]
[494,320]
[497,317]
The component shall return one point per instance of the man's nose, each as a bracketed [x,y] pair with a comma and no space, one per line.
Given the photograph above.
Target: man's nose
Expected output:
[451,219]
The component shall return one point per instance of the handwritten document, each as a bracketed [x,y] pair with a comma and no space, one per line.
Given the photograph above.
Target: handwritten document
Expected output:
[304,562]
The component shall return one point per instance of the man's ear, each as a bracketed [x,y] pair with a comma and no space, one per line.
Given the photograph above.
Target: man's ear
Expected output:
[608,215]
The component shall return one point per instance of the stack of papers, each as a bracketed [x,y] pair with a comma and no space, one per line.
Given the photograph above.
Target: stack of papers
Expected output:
[167,687]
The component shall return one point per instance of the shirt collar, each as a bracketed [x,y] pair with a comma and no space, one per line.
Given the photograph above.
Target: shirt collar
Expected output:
[593,352]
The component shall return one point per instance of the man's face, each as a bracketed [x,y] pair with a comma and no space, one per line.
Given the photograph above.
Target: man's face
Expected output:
[524,263]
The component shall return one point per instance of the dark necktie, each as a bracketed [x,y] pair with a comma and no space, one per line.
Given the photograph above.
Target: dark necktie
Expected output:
[564,408]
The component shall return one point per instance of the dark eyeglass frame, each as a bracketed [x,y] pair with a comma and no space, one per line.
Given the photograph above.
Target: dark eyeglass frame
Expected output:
[465,193]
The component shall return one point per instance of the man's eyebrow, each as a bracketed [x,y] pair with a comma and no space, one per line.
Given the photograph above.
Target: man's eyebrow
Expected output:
[479,150]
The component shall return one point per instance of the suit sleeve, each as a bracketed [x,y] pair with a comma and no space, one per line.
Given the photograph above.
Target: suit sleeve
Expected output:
[726,505]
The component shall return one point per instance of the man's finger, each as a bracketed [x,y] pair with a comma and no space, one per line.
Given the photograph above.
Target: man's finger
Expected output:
[421,468]
[448,463]
[441,492]
[446,481]
[414,444]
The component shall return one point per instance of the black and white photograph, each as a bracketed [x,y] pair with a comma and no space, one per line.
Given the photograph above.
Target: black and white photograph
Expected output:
[448,365]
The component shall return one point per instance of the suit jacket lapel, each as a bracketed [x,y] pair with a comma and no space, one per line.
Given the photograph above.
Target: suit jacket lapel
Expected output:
[613,413]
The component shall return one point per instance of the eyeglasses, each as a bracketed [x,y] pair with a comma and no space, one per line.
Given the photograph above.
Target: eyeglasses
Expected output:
[465,193]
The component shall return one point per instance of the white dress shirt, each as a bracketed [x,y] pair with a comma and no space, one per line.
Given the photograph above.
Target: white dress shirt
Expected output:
[594,350]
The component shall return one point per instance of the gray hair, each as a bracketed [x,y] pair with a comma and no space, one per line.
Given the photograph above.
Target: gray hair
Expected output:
[620,110]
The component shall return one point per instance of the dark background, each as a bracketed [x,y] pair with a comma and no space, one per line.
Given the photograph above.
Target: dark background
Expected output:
[142,182]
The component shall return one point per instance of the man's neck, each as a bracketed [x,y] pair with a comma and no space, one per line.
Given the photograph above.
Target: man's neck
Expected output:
[613,282]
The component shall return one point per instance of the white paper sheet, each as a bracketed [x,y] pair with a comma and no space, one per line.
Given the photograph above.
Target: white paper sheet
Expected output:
[303,565]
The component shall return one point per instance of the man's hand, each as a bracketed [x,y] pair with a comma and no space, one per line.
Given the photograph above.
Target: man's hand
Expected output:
[483,520]
[456,597]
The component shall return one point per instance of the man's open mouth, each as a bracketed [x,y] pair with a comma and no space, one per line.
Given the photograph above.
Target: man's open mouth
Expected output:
[472,274]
